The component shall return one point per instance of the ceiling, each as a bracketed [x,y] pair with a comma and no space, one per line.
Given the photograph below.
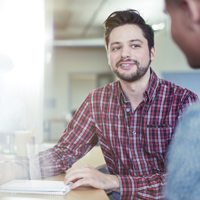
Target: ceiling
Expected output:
[83,19]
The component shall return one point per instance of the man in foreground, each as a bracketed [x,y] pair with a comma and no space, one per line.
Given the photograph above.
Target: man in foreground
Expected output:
[184,154]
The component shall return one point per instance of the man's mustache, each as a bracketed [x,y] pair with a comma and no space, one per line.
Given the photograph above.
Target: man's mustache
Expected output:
[128,60]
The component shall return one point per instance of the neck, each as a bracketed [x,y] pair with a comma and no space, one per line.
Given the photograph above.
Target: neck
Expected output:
[135,90]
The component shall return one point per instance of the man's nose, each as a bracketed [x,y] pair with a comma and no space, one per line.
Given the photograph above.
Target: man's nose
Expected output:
[125,53]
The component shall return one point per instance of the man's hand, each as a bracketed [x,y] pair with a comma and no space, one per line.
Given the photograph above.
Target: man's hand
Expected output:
[89,176]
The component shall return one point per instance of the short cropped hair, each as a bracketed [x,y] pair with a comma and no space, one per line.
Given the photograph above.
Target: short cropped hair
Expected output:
[130,16]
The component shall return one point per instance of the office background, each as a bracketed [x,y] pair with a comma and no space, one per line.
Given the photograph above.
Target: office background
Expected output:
[52,54]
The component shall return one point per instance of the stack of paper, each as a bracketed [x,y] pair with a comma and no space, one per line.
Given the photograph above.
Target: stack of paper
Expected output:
[35,187]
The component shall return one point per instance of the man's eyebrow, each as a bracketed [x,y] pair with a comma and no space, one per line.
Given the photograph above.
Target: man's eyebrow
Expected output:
[114,43]
[136,40]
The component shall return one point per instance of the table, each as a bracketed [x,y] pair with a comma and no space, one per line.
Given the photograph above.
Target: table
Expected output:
[82,193]
[93,158]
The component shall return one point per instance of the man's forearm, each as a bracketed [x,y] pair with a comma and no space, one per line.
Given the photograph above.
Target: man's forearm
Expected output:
[132,187]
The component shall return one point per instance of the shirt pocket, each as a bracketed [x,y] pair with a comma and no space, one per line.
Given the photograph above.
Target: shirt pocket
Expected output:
[156,138]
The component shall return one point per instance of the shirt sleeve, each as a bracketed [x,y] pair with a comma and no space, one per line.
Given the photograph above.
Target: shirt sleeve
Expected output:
[183,158]
[145,188]
[78,138]
[187,100]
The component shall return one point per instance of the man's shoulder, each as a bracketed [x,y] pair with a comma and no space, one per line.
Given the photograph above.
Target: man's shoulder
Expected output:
[193,111]
[177,89]
[190,122]
[107,89]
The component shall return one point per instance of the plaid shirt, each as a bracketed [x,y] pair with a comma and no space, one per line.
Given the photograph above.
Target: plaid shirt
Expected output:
[134,142]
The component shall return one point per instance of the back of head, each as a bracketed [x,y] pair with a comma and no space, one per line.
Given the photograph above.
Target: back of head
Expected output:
[185,27]
[130,16]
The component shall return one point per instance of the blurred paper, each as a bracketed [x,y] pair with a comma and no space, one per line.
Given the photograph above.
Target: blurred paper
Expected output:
[35,187]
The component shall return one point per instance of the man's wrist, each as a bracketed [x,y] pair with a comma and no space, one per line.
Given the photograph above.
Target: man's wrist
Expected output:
[115,183]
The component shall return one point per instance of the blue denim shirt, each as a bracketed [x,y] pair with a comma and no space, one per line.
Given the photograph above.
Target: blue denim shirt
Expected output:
[183,179]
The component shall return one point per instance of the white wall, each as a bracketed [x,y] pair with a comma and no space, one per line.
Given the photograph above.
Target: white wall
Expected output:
[22,58]
[168,56]
[67,61]
[21,93]
[72,60]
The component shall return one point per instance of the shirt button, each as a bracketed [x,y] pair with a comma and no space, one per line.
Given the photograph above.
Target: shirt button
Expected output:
[128,109]
[134,133]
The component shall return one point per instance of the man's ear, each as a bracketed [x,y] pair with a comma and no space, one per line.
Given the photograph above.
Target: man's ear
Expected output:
[194,10]
[152,53]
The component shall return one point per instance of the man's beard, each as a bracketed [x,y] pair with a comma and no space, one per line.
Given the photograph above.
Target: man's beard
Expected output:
[140,72]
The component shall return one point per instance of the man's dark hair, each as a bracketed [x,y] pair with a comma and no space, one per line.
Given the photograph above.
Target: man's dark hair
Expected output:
[130,16]
[173,1]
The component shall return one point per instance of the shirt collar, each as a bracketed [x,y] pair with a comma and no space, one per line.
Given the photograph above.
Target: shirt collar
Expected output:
[122,97]
[150,92]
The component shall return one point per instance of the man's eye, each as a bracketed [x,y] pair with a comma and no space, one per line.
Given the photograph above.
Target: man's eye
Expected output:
[115,48]
[135,46]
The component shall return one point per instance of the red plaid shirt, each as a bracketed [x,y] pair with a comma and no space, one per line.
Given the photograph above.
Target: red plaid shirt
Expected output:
[134,142]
